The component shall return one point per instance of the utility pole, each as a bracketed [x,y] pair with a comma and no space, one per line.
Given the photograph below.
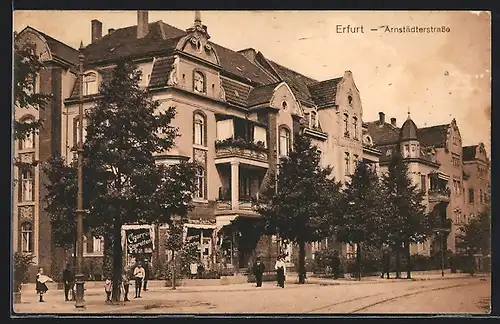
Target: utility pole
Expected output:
[79,279]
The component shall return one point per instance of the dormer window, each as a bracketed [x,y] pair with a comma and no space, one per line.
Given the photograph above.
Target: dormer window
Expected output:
[90,84]
[199,82]
[314,120]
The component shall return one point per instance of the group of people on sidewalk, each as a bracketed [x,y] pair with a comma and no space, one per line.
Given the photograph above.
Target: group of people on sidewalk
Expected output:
[139,275]
[279,267]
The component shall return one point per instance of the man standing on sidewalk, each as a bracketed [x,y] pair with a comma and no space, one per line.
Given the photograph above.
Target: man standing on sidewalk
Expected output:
[386,263]
[146,274]
[139,277]
[258,271]
[68,282]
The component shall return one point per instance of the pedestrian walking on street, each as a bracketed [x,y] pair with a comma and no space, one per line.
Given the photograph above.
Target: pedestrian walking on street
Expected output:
[139,277]
[193,269]
[258,271]
[146,275]
[125,285]
[41,286]
[280,271]
[68,281]
[108,288]
[386,263]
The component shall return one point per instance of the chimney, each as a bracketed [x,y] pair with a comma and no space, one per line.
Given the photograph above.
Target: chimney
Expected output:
[393,121]
[142,23]
[110,30]
[96,30]
[381,117]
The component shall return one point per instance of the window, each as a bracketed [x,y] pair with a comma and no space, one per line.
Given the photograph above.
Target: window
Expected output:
[29,141]
[423,183]
[347,164]
[284,141]
[320,153]
[355,160]
[456,160]
[481,196]
[26,237]
[27,187]
[76,131]
[307,118]
[200,184]
[355,127]
[346,125]
[245,188]
[314,121]
[406,151]
[349,99]
[471,195]
[198,82]
[33,84]
[199,130]
[97,245]
[284,105]
[90,84]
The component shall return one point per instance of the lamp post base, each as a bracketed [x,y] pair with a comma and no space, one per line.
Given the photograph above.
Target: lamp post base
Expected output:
[80,302]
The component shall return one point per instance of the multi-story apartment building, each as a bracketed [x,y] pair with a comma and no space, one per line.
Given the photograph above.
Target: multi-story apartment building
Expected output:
[477,185]
[434,157]
[237,114]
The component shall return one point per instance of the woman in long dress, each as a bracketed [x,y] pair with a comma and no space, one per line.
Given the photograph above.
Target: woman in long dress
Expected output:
[280,271]
[41,286]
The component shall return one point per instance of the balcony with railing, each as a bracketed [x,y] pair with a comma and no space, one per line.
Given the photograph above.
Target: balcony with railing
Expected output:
[439,191]
[242,140]
[241,148]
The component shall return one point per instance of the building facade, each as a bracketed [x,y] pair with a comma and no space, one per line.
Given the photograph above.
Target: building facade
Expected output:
[237,113]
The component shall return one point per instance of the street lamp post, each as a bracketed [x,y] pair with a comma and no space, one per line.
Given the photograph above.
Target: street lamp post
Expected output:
[79,278]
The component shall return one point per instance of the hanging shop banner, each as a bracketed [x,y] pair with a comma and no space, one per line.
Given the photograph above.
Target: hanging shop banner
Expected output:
[139,241]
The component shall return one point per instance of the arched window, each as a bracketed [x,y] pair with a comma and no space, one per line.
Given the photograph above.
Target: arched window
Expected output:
[90,84]
[26,237]
[349,99]
[346,125]
[200,184]
[76,132]
[355,127]
[199,129]
[27,185]
[285,141]
[28,142]
[198,82]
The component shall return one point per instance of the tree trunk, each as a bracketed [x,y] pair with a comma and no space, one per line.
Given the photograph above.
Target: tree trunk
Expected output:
[117,257]
[398,260]
[358,260]
[302,262]
[107,263]
[408,260]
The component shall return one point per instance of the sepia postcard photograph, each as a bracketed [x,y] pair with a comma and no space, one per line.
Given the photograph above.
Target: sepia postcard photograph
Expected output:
[251,162]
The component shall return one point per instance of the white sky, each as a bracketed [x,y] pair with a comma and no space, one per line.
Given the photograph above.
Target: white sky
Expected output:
[436,76]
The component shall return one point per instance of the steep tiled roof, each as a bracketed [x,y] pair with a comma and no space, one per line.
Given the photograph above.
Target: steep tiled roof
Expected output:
[435,135]
[123,42]
[161,71]
[61,50]
[469,152]
[383,133]
[237,64]
[323,93]
[261,94]
[409,131]
[298,83]
[236,92]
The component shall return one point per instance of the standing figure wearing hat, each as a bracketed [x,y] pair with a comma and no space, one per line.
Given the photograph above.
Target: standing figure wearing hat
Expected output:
[258,271]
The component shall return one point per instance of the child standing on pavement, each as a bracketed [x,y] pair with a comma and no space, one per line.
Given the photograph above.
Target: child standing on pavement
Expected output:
[108,287]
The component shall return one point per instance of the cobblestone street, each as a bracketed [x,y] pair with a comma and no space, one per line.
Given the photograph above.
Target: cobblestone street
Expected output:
[455,295]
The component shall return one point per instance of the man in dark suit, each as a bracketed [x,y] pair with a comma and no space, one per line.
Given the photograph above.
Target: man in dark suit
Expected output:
[146,274]
[68,281]
[258,271]
[386,263]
